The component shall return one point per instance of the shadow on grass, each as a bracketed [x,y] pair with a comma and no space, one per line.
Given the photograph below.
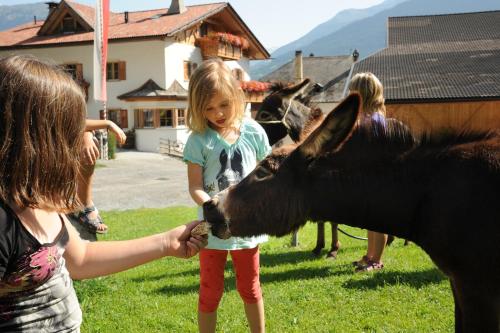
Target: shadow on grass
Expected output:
[166,275]
[267,260]
[415,280]
[300,274]
[299,256]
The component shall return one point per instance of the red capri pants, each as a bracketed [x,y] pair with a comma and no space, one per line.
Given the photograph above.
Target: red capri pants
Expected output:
[246,266]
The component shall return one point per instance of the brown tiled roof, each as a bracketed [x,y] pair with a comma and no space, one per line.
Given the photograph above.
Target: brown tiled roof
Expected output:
[148,23]
[323,70]
[439,57]
[151,89]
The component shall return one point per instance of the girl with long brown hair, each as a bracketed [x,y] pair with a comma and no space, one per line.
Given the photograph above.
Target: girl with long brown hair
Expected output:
[42,119]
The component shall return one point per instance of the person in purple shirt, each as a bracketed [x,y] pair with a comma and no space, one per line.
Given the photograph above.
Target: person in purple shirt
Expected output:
[373,109]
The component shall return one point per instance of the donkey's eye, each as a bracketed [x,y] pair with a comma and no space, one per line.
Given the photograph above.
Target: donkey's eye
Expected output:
[264,115]
[261,173]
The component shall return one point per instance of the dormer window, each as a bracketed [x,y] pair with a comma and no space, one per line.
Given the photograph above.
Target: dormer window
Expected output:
[68,24]
[63,19]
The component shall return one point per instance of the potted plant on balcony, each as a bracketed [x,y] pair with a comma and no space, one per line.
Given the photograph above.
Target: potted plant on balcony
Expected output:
[222,44]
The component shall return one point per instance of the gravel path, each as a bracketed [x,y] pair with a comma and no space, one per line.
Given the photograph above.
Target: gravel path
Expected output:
[141,180]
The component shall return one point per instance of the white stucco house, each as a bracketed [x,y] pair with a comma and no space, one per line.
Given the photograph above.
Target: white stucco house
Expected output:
[151,55]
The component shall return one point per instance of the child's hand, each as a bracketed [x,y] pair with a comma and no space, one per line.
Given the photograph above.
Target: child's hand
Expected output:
[120,135]
[180,243]
[90,151]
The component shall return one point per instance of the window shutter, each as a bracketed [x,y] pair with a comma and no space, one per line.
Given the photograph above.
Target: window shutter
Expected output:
[124,118]
[139,119]
[79,72]
[156,118]
[174,118]
[187,70]
[101,114]
[122,70]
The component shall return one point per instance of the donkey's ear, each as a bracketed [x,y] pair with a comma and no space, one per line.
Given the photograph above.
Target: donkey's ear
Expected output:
[335,129]
[297,89]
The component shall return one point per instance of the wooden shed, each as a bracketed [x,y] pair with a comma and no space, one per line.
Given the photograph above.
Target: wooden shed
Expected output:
[441,71]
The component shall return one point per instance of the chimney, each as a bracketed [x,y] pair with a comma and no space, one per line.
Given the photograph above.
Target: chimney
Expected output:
[125,14]
[355,55]
[176,7]
[299,68]
[52,6]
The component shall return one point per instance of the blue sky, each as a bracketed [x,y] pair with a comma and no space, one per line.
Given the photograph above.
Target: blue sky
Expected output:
[274,22]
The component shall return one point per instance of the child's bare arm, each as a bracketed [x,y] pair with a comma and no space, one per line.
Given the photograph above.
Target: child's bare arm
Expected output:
[90,150]
[95,124]
[195,180]
[92,259]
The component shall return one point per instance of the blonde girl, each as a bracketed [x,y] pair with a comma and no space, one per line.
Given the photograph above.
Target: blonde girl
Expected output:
[222,149]
[373,109]
[42,119]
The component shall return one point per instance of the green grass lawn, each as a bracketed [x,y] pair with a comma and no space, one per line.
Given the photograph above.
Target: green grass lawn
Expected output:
[301,293]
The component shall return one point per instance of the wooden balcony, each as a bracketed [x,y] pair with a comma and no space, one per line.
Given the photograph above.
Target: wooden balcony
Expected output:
[222,45]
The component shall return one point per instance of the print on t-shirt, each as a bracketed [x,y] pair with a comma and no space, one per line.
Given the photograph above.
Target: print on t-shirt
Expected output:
[231,169]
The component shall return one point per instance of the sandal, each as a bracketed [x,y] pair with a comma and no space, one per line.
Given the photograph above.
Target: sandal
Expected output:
[370,266]
[362,262]
[92,224]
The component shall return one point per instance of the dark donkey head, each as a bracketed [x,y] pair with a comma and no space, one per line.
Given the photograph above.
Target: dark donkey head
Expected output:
[285,111]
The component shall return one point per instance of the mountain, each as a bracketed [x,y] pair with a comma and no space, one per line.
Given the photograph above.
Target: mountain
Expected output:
[19,14]
[340,20]
[369,33]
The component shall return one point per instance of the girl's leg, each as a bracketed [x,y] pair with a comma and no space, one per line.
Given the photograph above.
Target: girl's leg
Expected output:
[212,263]
[246,265]
[255,316]
[376,245]
[84,192]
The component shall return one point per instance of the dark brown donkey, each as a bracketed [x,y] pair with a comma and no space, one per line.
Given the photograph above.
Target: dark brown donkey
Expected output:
[441,192]
[284,112]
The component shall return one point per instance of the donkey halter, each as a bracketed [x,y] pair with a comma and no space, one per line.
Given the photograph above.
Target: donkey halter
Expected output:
[283,119]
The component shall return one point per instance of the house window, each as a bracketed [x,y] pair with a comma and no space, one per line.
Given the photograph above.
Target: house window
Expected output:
[75,70]
[238,74]
[189,68]
[68,24]
[181,117]
[148,118]
[203,29]
[119,117]
[166,118]
[115,71]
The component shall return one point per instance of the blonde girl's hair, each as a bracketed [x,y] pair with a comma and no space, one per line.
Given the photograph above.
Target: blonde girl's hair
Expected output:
[42,119]
[213,77]
[371,90]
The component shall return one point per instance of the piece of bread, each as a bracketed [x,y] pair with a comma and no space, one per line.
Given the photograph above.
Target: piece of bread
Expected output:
[201,229]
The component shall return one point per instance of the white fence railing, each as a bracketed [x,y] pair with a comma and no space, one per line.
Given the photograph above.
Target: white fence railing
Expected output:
[171,147]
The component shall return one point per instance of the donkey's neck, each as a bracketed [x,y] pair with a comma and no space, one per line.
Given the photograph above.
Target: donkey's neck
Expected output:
[371,200]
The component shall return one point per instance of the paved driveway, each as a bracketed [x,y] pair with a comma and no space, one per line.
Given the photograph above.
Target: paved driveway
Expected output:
[136,179]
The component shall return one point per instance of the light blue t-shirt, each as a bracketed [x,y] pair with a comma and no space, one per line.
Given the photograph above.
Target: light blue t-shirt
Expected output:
[227,164]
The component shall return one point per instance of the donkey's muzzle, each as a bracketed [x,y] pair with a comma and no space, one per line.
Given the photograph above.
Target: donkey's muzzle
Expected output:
[215,217]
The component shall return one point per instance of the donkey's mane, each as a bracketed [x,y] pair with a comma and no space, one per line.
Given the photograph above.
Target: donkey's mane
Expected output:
[277,86]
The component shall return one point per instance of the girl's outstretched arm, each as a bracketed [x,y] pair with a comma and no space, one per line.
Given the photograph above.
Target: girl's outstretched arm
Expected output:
[96,124]
[92,259]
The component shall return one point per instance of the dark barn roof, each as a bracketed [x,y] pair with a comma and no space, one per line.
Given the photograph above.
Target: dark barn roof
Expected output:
[330,72]
[439,57]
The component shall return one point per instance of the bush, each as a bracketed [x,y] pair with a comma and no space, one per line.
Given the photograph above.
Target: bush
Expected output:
[111,145]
